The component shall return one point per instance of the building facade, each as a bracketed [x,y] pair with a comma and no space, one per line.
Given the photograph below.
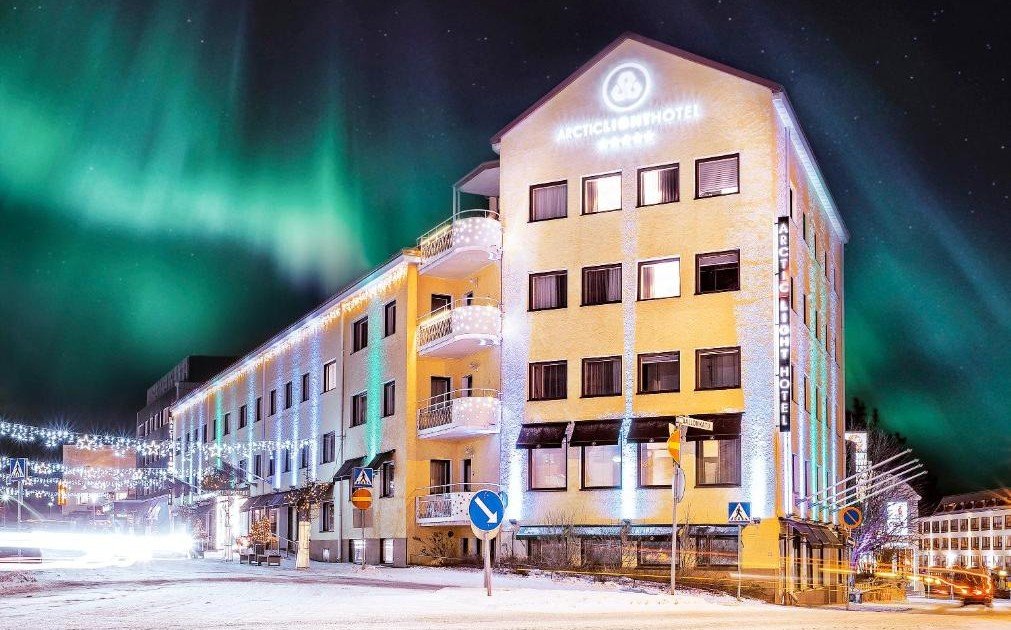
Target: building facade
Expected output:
[970,530]
[655,240]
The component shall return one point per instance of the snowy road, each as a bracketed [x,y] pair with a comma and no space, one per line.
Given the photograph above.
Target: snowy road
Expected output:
[212,594]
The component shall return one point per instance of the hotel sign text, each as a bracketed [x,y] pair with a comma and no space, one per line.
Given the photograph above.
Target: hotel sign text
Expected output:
[784,378]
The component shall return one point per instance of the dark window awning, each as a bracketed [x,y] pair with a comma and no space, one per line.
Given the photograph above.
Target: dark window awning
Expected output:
[381,458]
[344,472]
[725,425]
[542,435]
[650,429]
[595,432]
[556,531]
[272,500]
[814,533]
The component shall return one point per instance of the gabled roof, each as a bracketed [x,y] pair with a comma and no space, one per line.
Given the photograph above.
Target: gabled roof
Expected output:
[624,37]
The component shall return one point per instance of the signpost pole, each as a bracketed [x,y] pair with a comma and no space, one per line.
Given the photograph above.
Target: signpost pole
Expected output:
[487,564]
[674,528]
[363,537]
[21,499]
[740,540]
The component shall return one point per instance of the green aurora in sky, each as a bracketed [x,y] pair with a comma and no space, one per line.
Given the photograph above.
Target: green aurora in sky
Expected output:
[187,178]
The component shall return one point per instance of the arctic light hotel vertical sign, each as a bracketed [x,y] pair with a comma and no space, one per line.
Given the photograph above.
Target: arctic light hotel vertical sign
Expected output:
[785,378]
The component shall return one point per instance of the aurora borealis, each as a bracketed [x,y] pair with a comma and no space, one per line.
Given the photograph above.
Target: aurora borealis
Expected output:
[187,178]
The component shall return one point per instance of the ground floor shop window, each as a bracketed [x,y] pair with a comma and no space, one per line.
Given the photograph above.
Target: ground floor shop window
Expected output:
[602,466]
[654,553]
[602,552]
[548,468]
[549,551]
[714,551]
[387,551]
[656,466]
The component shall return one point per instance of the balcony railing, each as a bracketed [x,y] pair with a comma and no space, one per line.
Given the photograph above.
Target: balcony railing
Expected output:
[461,245]
[460,328]
[459,414]
[447,504]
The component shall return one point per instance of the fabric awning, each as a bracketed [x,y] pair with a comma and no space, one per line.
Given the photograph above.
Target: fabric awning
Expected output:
[650,429]
[542,435]
[595,432]
[271,500]
[344,472]
[554,531]
[815,534]
[724,425]
[381,459]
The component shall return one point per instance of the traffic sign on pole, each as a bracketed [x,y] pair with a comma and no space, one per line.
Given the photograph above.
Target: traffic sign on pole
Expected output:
[674,442]
[362,477]
[485,510]
[18,469]
[695,423]
[852,517]
[739,512]
[362,498]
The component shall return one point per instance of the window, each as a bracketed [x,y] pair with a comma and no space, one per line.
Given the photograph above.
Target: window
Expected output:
[602,193]
[659,279]
[326,519]
[273,401]
[286,460]
[549,201]
[717,176]
[654,552]
[656,466]
[288,395]
[303,456]
[718,272]
[359,334]
[329,376]
[390,319]
[386,472]
[259,408]
[242,417]
[271,466]
[659,372]
[358,404]
[715,551]
[329,447]
[602,466]
[387,551]
[658,184]
[389,398]
[548,290]
[601,285]
[718,462]
[257,462]
[548,468]
[227,421]
[440,301]
[719,368]
[548,380]
[602,377]
[203,431]
[305,387]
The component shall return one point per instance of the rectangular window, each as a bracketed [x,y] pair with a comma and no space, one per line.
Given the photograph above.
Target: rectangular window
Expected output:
[658,184]
[718,272]
[203,430]
[659,279]
[387,471]
[257,464]
[549,201]
[329,447]
[548,380]
[259,408]
[273,402]
[359,334]
[548,468]
[271,466]
[242,417]
[358,408]
[329,376]
[659,372]
[305,387]
[387,551]
[326,519]
[717,176]
[288,397]
[715,551]
[602,284]
[718,368]
[656,466]
[718,462]
[389,398]
[602,193]
[227,424]
[602,377]
[286,460]
[548,290]
[303,456]
[390,319]
[602,466]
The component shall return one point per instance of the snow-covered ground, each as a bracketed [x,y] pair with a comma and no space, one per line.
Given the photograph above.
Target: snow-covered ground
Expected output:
[214,594]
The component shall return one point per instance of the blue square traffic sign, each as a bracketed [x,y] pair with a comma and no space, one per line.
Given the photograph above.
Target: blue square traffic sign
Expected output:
[362,477]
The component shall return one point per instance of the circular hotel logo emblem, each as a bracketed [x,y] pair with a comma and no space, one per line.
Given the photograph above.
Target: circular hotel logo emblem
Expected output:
[626,86]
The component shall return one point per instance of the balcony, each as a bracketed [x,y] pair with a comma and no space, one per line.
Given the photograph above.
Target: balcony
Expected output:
[460,414]
[447,505]
[460,328]
[461,245]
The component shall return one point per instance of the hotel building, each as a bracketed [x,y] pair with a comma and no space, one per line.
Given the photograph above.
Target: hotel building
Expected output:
[655,240]
[970,530]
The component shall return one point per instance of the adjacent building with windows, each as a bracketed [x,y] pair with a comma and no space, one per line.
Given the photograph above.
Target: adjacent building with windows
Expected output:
[655,240]
[970,530]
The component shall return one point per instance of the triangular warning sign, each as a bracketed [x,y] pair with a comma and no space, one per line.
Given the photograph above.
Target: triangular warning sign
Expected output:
[364,480]
[739,514]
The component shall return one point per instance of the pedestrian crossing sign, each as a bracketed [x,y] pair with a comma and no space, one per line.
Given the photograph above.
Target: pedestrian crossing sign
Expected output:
[18,468]
[739,512]
[361,478]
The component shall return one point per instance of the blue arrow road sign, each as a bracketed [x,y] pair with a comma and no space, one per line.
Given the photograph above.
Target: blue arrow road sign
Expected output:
[486,510]
[361,478]
[739,512]
[18,469]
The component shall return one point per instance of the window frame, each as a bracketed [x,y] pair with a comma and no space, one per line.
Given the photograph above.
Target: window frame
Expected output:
[289,395]
[305,387]
[530,379]
[243,416]
[363,396]
[259,409]
[714,158]
[530,470]
[273,402]
[638,466]
[530,207]
[328,385]
[328,442]
[699,463]
[582,468]
[582,191]
[582,279]
[698,272]
[638,278]
[582,378]
[360,324]
[698,367]
[386,479]
[645,169]
[639,380]
[226,423]
[389,323]
[530,290]
[389,398]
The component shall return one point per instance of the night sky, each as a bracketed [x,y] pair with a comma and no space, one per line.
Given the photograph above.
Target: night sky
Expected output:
[187,178]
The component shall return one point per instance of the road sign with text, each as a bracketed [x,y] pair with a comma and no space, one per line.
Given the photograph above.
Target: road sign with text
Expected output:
[695,423]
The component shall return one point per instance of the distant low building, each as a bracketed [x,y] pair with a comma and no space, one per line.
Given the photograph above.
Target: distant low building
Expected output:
[971,530]
[94,480]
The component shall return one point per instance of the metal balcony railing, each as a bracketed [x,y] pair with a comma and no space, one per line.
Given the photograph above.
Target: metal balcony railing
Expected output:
[442,237]
[438,411]
[471,316]
[446,504]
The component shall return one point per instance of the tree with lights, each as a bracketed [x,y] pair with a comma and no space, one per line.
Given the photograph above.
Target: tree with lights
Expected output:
[307,500]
